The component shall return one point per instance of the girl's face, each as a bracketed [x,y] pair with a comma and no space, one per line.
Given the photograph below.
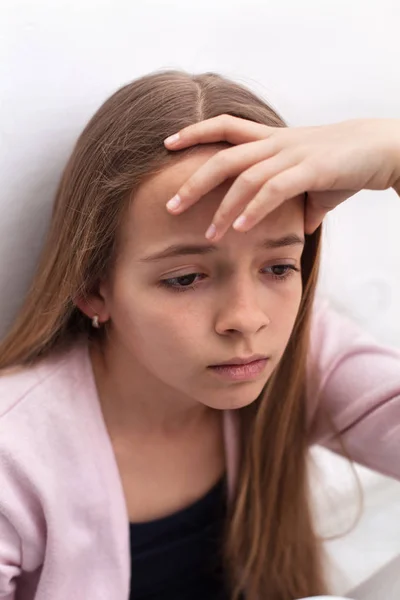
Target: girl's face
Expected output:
[175,310]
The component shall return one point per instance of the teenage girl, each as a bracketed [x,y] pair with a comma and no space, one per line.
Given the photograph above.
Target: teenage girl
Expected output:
[161,389]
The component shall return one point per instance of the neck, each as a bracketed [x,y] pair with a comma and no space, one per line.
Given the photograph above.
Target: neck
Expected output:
[133,401]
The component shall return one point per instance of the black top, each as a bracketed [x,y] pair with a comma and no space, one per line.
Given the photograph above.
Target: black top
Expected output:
[178,557]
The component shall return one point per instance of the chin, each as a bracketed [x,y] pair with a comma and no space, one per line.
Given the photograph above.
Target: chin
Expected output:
[235,398]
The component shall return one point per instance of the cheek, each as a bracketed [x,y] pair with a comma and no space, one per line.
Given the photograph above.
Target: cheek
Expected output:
[155,327]
[175,331]
[284,313]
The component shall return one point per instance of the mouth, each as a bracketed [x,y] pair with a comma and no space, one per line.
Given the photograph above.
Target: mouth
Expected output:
[249,368]
[237,361]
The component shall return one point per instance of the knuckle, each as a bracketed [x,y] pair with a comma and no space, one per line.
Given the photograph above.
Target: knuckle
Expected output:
[249,178]
[275,143]
[222,160]
[281,137]
[323,172]
[220,219]
[189,189]
[275,186]
[226,123]
[226,119]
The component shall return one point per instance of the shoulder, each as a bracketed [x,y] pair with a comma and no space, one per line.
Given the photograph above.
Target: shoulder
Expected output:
[347,367]
[30,388]
[49,423]
[50,441]
[334,334]
[44,410]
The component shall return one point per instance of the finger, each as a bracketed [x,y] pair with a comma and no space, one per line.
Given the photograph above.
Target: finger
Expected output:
[319,204]
[282,187]
[246,187]
[216,129]
[225,164]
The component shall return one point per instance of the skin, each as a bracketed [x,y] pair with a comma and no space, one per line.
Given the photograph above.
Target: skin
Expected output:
[152,373]
[160,402]
[273,164]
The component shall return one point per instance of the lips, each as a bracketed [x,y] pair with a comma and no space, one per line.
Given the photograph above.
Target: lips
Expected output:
[246,371]
[241,360]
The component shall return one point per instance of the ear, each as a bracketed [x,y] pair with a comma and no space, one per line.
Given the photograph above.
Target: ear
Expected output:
[94,303]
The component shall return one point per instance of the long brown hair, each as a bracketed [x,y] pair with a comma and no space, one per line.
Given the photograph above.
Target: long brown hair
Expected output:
[270,550]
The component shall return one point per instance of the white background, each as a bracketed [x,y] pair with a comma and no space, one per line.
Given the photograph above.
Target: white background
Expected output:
[314,61]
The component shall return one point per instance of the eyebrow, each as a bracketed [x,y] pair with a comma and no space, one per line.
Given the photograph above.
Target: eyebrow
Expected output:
[291,239]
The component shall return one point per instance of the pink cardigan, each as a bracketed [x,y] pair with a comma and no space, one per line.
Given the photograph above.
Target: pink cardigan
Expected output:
[64,528]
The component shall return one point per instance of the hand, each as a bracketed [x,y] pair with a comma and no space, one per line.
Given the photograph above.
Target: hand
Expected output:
[329,163]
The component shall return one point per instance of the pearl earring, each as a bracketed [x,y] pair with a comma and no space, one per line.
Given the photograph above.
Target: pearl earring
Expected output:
[95,321]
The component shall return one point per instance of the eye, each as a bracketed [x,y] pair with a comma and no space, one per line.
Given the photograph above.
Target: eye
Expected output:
[187,282]
[284,271]
[182,283]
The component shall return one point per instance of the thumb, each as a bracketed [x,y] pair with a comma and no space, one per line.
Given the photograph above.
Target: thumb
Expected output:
[313,217]
[318,204]
[315,210]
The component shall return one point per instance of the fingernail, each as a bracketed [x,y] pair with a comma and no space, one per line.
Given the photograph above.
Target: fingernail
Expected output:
[240,221]
[174,203]
[172,139]
[211,231]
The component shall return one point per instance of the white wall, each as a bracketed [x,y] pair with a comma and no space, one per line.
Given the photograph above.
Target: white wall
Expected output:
[315,61]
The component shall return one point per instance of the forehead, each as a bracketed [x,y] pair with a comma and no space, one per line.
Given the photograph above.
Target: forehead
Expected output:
[149,224]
